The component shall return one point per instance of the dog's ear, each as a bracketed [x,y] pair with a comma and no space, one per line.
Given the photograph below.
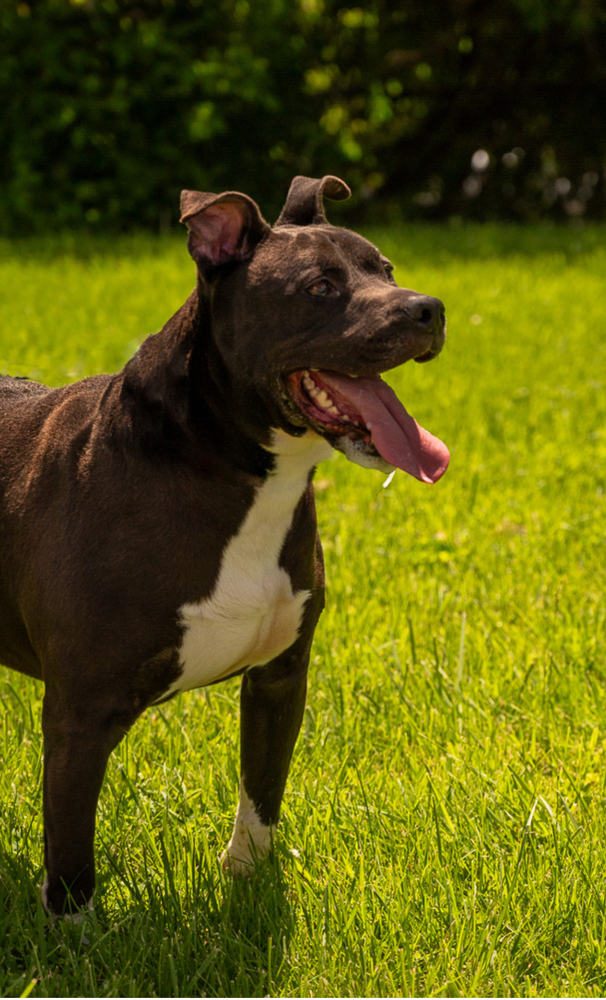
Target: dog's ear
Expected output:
[304,204]
[222,227]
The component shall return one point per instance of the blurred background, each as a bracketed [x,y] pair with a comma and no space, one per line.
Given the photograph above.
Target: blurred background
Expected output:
[441,109]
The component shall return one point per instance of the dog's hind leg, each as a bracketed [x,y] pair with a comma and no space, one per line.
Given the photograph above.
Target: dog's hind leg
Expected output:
[272,700]
[77,745]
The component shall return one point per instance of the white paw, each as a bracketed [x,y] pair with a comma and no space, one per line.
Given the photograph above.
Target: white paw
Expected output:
[72,918]
[250,840]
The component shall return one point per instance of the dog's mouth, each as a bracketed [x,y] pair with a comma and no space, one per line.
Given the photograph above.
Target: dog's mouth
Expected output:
[364,418]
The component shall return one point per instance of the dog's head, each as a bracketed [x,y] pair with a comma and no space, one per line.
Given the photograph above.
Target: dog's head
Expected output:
[306,316]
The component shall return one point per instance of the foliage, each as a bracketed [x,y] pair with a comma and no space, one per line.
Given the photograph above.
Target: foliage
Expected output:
[108,107]
[444,825]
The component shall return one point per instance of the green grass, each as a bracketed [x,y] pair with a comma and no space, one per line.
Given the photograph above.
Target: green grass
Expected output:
[443,830]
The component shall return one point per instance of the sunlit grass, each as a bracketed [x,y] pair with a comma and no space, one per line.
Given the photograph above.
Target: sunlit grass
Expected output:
[443,827]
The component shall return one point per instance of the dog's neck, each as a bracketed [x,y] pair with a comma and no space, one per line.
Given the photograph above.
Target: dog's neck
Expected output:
[176,391]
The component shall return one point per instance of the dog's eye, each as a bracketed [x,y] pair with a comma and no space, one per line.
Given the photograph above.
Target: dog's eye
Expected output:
[319,289]
[389,271]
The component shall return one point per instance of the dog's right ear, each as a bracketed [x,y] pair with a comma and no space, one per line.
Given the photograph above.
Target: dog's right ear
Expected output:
[222,227]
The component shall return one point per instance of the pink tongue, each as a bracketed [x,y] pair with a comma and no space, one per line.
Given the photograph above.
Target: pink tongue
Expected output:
[395,434]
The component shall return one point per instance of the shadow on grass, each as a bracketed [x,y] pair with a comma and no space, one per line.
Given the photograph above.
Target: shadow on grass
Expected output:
[222,936]
[22,922]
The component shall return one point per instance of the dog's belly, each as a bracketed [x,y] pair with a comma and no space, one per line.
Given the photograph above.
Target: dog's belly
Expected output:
[253,613]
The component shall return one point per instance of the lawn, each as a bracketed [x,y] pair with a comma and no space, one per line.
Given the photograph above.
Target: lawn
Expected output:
[443,829]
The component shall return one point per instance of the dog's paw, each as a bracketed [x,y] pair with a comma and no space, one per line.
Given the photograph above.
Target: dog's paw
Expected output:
[77,918]
[251,839]
[248,846]
[234,864]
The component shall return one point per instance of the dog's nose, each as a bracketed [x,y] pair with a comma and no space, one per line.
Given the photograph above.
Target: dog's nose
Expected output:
[426,311]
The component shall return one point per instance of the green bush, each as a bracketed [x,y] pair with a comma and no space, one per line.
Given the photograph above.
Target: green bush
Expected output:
[109,107]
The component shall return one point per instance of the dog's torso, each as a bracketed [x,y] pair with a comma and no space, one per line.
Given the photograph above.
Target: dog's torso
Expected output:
[251,607]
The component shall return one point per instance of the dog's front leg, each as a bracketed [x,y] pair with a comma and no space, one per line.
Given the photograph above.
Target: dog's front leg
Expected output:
[272,701]
[77,745]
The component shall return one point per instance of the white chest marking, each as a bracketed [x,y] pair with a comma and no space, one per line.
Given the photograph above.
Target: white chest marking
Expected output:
[252,614]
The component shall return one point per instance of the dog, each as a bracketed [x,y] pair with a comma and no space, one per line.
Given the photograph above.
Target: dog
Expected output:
[158,525]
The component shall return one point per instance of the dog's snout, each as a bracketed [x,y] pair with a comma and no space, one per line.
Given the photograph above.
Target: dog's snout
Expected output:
[427,311]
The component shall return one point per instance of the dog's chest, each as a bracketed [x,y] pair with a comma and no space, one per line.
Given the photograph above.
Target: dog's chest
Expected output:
[253,614]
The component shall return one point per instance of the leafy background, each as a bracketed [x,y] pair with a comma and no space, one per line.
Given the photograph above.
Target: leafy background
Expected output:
[109,107]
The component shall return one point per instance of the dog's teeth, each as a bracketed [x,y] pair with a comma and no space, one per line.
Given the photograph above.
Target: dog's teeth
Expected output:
[345,417]
[320,396]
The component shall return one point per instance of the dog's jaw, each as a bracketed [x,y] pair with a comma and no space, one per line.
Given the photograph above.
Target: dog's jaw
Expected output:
[362,417]
[361,453]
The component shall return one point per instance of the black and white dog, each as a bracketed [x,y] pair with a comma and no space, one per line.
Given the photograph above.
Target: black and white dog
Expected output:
[157,526]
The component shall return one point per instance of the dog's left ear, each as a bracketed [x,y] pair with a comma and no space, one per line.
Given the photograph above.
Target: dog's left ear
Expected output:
[304,205]
[222,227]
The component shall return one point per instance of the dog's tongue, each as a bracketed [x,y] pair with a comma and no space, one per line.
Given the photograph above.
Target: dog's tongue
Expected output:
[398,438]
